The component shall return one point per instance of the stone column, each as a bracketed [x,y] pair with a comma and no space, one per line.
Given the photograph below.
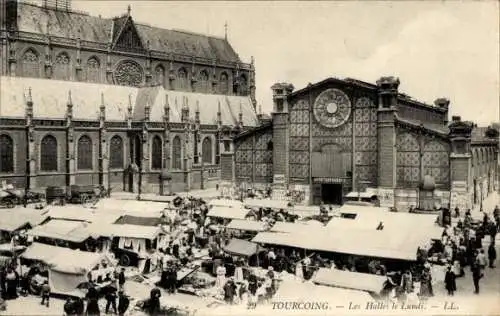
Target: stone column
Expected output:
[388,98]
[461,185]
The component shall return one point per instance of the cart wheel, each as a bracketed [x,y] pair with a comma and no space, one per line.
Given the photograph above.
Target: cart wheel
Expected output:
[125,260]
[9,204]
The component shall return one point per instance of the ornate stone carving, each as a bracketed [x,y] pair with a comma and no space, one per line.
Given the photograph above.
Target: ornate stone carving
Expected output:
[129,73]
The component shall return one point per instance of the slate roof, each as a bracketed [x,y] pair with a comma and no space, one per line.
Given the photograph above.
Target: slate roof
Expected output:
[50,98]
[68,24]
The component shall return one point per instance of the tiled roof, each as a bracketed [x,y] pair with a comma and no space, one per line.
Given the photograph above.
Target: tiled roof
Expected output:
[34,19]
[50,98]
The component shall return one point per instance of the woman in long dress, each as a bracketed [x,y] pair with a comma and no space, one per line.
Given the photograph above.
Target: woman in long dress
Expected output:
[238,273]
[298,271]
[221,276]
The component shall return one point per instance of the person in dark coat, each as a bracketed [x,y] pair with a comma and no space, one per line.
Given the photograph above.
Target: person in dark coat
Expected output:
[476,276]
[121,279]
[92,302]
[12,279]
[111,300]
[450,281]
[154,306]
[492,255]
[229,291]
[123,303]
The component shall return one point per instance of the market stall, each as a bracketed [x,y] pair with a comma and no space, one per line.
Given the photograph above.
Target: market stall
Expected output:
[63,233]
[228,212]
[265,203]
[226,203]
[13,221]
[370,283]
[68,270]
[133,244]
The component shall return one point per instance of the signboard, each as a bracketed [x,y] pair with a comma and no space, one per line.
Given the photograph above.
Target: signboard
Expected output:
[329,180]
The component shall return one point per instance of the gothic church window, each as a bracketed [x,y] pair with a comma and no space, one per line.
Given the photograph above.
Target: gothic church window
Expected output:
[206,148]
[62,67]
[182,80]
[176,153]
[224,83]
[85,153]
[6,154]
[156,153]
[30,64]
[48,153]
[160,75]
[116,152]
[93,69]
[203,83]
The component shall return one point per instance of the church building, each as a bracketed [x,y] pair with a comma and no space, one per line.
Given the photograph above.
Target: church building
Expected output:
[116,103]
[343,135]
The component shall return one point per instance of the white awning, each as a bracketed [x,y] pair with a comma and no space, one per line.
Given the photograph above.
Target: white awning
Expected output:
[226,203]
[350,280]
[247,225]
[228,212]
[129,231]
[264,203]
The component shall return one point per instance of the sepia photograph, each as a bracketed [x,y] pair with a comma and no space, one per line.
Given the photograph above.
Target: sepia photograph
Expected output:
[190,158]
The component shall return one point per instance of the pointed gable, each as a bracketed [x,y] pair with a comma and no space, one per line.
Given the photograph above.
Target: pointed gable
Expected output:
[125,35]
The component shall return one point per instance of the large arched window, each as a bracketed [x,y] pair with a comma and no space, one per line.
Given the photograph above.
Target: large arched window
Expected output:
[48,153]
[30,65]
[176,153]
[116,152]
[203,84]
[93,70]
[6,154]
[224,83]
[62,67]
[156,153]
[160,75]
[206,148]
[85,153]
[182,79]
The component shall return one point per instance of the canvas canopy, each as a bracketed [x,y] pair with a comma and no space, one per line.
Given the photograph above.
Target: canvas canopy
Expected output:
[15,219]
[247,225]
[285,227]
[126,230]
[138,220]
[62,230]
[79,213]
[263,203]
[357,242]
[130,206]
[228,212]
[226,203]
[42,252]
[362,195]
[350,280]
[240,247]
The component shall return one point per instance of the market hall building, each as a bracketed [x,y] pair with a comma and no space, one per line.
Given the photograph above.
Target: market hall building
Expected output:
[340,136]
[89,100]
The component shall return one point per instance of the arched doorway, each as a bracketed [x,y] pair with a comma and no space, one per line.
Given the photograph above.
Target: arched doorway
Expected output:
[332,173]
[135,145]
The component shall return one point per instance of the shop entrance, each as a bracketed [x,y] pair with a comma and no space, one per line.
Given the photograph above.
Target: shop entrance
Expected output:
[332,193]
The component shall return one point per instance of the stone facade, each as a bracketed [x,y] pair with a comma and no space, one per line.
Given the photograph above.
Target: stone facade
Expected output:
[347,135]
[154,107]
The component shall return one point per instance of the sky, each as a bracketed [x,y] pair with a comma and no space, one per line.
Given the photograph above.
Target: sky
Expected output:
[437,48]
